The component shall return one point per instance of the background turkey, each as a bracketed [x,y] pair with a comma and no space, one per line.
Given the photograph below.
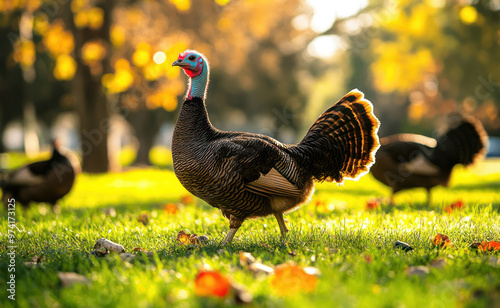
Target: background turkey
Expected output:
[44,181]
[250,175]
[406,160]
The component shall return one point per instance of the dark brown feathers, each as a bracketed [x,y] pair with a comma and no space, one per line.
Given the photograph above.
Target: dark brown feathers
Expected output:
[342,143]
[251,175]
[407,160]
[44,181]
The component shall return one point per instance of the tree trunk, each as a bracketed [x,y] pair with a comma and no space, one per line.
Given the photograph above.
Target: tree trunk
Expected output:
[146,124]
[91,100]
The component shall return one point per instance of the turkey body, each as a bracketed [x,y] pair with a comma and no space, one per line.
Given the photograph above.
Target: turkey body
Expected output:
[44,181]
[220,167]
[249,175]
[408,161]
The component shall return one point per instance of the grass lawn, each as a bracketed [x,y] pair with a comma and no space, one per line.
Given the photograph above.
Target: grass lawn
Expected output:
[350,245]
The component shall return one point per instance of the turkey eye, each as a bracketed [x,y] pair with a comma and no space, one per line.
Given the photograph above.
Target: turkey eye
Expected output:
[191,58]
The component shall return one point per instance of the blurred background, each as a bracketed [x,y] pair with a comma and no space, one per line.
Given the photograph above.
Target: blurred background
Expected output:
[98,75]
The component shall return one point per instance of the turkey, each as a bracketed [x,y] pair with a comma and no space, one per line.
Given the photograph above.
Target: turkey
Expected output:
[407,160]
[44,181]
[249,175]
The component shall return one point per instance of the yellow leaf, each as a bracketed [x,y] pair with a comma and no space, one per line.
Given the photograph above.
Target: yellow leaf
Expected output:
[93,51]
[117,36]
[222,2]
[468,14]
[57,40]
[141,56]
[96,17]
[81,19]
[24,53]
[181,5]
[290,278]
[65,67]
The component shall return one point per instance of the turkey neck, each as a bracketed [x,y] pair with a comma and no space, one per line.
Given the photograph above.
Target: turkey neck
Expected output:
[193,123]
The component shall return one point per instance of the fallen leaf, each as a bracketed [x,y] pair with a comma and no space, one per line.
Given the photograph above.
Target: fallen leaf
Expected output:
[290,278]
[372,204]
[69,278]
[187,239]
[143,218]
[211,283]
[187,199]
[441,240]
[171,209]
[368,259]
[458,205]
[420,271]
[402,245]
[491,246]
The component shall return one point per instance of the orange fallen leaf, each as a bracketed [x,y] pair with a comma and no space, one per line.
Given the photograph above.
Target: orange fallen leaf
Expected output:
[368,259]
[290,278]
[171,209]
[187,239]
[372,204]
[458,205]
[211,283]
[441,240]
[187,199]
[491,246]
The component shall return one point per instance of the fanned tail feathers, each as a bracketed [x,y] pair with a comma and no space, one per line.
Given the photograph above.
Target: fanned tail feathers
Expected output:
[464,142]
[342,143]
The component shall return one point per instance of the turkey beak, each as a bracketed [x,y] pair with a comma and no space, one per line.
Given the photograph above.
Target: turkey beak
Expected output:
[180,63]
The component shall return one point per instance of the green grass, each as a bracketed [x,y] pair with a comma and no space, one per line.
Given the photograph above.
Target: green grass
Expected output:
[335,238]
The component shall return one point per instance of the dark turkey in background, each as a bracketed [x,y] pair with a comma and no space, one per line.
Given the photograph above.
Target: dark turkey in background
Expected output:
[407,161]
[44,181]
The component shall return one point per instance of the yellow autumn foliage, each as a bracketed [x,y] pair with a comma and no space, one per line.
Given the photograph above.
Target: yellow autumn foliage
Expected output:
[24,53]
[121,80]
[65,67]
[468,14]
[93,51]
[57,40]
[181,5]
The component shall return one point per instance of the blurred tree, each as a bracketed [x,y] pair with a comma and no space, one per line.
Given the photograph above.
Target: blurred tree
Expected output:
[427,58]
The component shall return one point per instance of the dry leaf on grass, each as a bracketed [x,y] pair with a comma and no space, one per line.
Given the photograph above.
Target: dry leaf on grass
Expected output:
[372,204]
[171,209]
[190,239]
[441,240]
[143,218]
[141,250]
[486,246]
[211,283]
[69,278]
[457,206]
[290,278]
[187,199]
[248,262]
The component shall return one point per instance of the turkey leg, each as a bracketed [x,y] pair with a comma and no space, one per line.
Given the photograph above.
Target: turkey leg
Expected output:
[234,225]
[281,223]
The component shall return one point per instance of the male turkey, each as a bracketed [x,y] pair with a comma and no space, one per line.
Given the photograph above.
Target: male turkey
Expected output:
[250,175]
[44,181]
[407,160]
